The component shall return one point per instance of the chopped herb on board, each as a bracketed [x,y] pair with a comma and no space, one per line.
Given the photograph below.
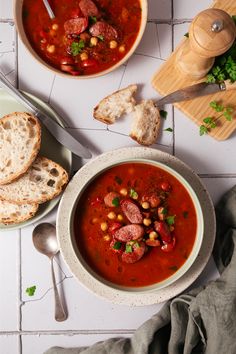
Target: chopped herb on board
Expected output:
[186,35]
[211,122]
[31,291]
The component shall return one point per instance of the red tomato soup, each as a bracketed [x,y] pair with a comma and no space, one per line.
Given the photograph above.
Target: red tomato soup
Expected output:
[86,36]
[135,225]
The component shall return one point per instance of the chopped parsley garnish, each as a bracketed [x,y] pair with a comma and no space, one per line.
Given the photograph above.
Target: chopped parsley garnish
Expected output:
[118,179]
[76,47]
[133,194]
[116,201]
[117,245]
[170,219]
[92,19]
[163,114]
[30,291]
[164,211]
[185,214]
[128,249]
[168,130]
[101,37]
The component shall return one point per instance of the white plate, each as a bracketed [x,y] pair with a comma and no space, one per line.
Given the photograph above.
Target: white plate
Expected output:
[50,148]
[115,295]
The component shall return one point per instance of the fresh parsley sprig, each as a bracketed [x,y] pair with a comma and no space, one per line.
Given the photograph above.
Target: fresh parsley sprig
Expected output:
[211,122]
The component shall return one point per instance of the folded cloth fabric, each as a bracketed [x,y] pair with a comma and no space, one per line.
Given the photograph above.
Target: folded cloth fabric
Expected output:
[202,321]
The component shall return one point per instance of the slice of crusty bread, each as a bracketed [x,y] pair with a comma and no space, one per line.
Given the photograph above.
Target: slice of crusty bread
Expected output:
[20,138]
[146,123]
[43,181]
[113,106]
[11,213]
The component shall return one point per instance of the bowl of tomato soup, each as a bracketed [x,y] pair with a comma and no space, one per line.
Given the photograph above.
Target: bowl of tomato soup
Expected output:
[87,38]
[136,226]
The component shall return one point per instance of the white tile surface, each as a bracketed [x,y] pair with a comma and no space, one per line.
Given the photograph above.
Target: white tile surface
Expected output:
[9,280]
[95,318]
[189,8]
[9,344]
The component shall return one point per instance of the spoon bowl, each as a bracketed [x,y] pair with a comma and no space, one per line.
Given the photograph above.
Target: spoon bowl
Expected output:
[45,241]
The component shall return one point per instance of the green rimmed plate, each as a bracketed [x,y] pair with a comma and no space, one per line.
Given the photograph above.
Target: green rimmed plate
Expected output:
[50,148]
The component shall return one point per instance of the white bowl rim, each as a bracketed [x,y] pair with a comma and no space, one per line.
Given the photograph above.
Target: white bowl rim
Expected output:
[115,295]
[20,29]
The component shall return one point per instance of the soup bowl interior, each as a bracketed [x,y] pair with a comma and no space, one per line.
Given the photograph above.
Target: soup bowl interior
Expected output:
[18,19]
[177,273]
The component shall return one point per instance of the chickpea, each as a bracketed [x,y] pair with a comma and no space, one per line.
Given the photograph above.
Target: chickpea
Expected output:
[147,222]
[106,238]
[51,48]
[124,191]
[113,44]
[145,205]
[104,226]
[122,49]
[120,217]
[55,26]
[93,41]
[83,56]
[153,235]
[111,215]
[43,40]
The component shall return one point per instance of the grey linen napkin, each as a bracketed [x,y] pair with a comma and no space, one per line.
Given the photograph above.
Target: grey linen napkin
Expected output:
[202,321]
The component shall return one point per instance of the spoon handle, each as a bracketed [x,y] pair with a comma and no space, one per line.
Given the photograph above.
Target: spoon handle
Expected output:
[60,314]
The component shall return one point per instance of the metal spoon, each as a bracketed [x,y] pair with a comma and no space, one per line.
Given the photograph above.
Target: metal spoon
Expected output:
[45,241]
[49,9]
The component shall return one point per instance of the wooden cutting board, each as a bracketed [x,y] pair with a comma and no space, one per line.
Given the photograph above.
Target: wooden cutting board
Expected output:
[169,79]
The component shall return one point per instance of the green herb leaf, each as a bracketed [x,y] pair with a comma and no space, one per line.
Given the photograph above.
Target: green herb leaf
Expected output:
[163,114]
[117,245]
[185,214]
[170,219]
[118,180]
[116,201]
[76,47]
[164,211]
[216,106]
[133,194]
[128,249]
[210,79]
[30,291]
[228,116]
[168,130]
[203,130]
[208,120]
[101,37]
[92,19]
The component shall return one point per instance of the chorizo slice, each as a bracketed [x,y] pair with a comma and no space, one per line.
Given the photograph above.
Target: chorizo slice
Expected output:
[131,211]
[138,250]
[88,8]
[129,233]
[163,230]
[110,198]
[76,25]
[101,28]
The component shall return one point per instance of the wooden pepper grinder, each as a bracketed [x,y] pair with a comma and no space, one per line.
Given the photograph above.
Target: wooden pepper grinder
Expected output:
[211,33]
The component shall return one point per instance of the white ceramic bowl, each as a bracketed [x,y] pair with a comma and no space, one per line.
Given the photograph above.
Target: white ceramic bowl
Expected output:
[18,4]
[70,251]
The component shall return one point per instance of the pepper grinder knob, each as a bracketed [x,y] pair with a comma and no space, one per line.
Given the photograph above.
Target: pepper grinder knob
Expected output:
[211,33]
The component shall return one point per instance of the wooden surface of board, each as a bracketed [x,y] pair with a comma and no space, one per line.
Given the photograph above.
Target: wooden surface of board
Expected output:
[169,79]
